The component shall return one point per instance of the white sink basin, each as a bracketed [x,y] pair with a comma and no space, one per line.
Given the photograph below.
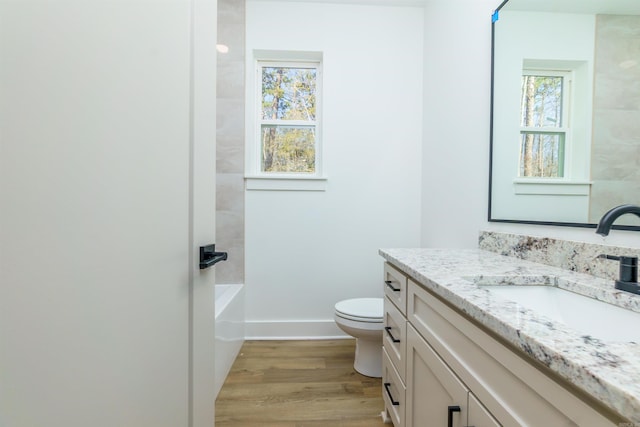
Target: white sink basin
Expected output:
[598,319]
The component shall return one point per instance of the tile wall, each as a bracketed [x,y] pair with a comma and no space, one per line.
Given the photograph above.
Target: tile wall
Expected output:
[230,141]
[615,154]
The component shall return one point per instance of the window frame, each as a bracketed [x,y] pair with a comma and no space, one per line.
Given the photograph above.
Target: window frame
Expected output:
[256,178]
[567,108]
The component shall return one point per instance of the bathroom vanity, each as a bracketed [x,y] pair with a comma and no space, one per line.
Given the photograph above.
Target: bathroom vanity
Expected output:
[457,352]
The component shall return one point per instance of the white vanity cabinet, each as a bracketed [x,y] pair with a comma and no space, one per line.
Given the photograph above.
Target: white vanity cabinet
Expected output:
[394,345]
[456,373]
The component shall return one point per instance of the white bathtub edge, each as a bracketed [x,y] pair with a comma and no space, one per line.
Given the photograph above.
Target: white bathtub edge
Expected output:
[224,295]
[229,330]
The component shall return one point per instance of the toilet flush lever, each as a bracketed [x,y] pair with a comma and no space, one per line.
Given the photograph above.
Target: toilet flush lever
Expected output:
[209,256]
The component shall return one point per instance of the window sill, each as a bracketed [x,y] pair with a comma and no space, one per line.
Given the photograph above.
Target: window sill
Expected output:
[286,183]
[551,187]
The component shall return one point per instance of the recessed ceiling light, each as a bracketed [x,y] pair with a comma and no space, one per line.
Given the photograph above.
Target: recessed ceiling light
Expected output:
[222,48]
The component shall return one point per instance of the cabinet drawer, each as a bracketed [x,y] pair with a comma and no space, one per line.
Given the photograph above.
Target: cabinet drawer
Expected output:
[512,389]
[394,337]
[393,392]
[395,287]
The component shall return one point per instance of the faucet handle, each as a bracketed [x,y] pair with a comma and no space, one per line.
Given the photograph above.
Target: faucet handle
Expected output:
[628,267]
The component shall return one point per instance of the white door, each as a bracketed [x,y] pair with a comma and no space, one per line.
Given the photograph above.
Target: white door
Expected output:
[101,320]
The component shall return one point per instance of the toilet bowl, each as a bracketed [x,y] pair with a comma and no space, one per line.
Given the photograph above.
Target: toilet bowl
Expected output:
[362,318]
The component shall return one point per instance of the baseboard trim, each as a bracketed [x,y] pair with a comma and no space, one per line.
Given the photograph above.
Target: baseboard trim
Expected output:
[293,330]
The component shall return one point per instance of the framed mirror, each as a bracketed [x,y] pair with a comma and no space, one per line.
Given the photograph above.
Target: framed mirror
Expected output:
[565,119]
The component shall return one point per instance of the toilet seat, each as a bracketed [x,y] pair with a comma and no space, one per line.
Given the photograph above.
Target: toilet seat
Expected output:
[363,319]
[369,310]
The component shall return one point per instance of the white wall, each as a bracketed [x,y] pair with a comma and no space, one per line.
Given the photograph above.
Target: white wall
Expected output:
[457,74]
[456,121]
[307,250]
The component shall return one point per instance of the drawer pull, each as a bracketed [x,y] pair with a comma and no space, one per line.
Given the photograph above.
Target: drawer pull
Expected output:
[389,284]
[388,329]
[393,402]
[451,410]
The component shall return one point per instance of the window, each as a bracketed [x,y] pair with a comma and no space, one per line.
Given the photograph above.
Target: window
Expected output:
[544,131]
[288,124]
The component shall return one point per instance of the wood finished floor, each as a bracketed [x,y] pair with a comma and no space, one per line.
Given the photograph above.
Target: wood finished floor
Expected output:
[298,384]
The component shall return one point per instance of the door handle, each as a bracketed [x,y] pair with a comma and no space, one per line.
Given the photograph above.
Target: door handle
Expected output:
[209,256]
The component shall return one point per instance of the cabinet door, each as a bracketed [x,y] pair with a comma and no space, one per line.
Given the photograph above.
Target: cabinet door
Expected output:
[478,414]
[434,393]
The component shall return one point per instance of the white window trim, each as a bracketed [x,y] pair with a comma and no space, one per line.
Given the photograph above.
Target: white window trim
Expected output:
[286,183]
[256,179]
[551,187]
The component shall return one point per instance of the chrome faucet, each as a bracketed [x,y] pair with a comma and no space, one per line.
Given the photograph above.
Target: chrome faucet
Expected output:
[604,226]
[628,280]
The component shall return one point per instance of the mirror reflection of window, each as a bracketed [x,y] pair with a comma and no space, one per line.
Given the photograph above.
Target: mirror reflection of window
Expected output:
[543,128]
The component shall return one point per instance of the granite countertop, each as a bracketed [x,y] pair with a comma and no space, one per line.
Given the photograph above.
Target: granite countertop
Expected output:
[607,370]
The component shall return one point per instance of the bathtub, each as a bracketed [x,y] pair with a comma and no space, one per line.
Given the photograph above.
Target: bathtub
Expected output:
[229,329]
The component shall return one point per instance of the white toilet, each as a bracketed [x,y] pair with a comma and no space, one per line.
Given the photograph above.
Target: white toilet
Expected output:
[362,318]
